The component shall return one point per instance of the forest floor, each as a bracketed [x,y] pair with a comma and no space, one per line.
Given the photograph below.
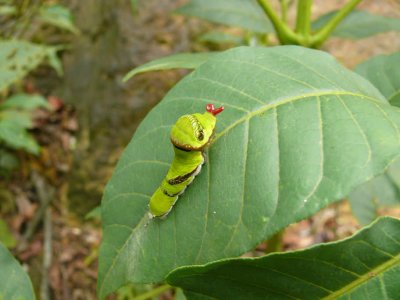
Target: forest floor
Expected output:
[59,231]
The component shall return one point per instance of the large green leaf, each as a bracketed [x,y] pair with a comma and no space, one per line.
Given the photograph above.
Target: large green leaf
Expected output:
[17,58]
[383,190]
[298,132]
[176,61]
[384,72]
[359,24]
[243,13]
[14,282]
[365,266]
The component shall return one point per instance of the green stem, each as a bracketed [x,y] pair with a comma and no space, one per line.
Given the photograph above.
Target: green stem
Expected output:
[303,20]
[284,33]
[284,9]
[326,30]
[274,244]
[153,293]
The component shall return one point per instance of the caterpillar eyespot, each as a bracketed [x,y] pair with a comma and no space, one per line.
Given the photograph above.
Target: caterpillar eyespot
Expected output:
[190,135]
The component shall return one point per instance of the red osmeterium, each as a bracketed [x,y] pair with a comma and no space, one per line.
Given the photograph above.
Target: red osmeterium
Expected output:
[215,111]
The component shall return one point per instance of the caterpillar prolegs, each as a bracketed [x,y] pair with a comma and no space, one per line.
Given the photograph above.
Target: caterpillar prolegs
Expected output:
[190,135]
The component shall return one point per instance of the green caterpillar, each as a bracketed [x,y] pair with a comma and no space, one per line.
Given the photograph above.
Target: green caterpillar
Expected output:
[190,135]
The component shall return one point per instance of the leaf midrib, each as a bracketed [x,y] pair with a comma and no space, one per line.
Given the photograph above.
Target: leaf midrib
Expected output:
[283,101]
[119,252]
[358,282]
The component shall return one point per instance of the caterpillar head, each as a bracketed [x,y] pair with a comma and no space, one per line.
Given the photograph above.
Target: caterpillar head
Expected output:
[195,131]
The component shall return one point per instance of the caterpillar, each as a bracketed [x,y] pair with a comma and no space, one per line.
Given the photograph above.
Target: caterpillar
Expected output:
[190,135]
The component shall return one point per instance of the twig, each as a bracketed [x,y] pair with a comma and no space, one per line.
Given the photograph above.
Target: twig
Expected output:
[45,194]
[284,9]
[47,256]
[322,34]
[303,19]
[153,293]
[285,34]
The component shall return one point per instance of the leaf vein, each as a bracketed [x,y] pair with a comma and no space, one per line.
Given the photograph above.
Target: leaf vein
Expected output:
[207,213]
[105,204]
[297,278]
[360,129]
[283,101]
[118,171]
[245,155]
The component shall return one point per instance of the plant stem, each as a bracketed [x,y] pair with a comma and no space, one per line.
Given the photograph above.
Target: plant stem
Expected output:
[153,293]
[45,194]
[274,244]
[47,256]
[284,8]
[326,30]
[303,20]
[284,33]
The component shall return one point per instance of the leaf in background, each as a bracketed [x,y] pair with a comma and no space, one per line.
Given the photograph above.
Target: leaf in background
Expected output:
[15,118]
[179,295]
[14,282]
[242,13]
[59,16]
[25,101]
[95,214]
[54,60]
[17,59]
[6,237]
[365,266]
[134,6]
[380,191]
[384,190]
[20,119]
[17,137]
[219,37]
[7,10]
[384,72]
[299,131]
[8,162]
[176,61]
[359,24]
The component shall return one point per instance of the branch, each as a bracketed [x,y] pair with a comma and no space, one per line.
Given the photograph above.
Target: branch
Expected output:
[45,194]
[284,33]
[284,9]
[47,255]
[153,293]
[303,19]
[323,33]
